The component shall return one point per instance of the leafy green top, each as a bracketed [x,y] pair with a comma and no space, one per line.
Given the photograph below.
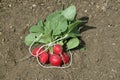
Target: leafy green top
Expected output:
[57,25]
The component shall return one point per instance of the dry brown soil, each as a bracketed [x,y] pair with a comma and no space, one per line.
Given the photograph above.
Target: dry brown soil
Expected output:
[100,61]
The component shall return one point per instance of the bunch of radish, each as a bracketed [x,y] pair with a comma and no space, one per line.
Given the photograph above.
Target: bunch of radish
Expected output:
[55,58]
[58,34]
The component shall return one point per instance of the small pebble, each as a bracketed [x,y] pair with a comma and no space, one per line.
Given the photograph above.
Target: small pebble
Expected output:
[113,70]
[5,61]
[11,27]
[113,44]
[34,5]
[10,5]
[109,25]
[103,8]
[48,7]
[85,11]
[96,34]
[42,4]
[21,37]
[97,6]
[3,40]
[97,60]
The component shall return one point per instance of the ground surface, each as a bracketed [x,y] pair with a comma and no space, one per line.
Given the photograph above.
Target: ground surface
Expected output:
[101,60]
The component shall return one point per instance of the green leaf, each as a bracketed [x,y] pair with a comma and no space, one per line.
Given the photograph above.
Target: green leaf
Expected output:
[40,23]
[69,13]
[73,25]
[56,24]
[30,38]
[60,42]
[47,28]
[72,30]
[45,39]
[83,49]
[36,29]
[52,15]
[72,34]
[72,43]
[60,25]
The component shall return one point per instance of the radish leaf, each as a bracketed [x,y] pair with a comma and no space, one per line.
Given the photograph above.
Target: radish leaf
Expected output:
[45,39]
[69,13]
[72,43]
[52,15]
[40,23]
[73,25]
[56,24]
[36,29]
[71,34]
[30,38]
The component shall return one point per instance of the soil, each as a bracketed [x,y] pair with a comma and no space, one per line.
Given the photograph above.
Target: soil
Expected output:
[100,60]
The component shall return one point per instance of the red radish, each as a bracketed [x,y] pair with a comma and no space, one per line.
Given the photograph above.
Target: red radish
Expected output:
[65,58]
[55,60]
[34,52]
[43,57]
[57,49]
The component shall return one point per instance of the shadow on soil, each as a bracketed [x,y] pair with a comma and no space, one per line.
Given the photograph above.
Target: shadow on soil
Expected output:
[82,28]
